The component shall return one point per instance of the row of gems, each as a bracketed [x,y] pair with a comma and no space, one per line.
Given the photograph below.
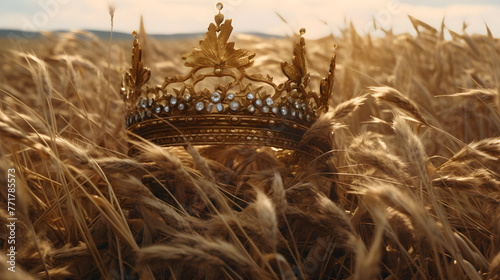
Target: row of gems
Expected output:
[137,117]
[295,107]
[257,102]
[298,108]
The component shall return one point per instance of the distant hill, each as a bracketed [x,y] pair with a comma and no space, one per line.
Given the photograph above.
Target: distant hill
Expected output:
[10,33]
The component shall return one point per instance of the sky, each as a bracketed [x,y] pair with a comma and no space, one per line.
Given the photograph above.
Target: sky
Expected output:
[319,17]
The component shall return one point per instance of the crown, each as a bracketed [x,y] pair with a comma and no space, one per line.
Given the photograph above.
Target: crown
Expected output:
[239,108]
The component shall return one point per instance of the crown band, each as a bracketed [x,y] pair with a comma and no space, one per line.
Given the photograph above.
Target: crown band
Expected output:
[221,129]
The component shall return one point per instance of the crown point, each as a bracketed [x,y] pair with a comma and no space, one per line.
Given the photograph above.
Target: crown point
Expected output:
[219,6]
[302,31]
[134,33]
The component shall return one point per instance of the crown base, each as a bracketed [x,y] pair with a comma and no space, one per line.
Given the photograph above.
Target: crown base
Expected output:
[224,130]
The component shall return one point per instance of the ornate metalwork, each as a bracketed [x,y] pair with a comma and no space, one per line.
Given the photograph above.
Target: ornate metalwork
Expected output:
[178,111]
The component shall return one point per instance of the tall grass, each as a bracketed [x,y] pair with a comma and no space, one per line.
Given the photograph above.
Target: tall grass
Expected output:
[410,189]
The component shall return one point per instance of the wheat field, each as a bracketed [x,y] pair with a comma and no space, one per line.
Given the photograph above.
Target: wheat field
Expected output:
[409,190]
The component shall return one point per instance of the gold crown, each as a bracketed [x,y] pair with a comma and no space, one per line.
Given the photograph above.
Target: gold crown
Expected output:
[238,109]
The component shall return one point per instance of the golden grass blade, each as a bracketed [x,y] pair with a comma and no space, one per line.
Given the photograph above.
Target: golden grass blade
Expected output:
[399,102]
[483,95]
[488,149]
[418,23]
[348,107]
[267,215]
[120,228]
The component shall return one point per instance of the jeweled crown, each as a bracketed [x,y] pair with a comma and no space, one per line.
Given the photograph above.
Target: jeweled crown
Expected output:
[240,108]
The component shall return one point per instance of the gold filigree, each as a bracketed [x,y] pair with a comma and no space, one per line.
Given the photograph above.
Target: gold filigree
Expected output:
[138,75]
[215,50]
[297,71]
[326,86]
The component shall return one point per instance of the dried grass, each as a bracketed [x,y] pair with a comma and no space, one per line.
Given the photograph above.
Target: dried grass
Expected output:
[407,191]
